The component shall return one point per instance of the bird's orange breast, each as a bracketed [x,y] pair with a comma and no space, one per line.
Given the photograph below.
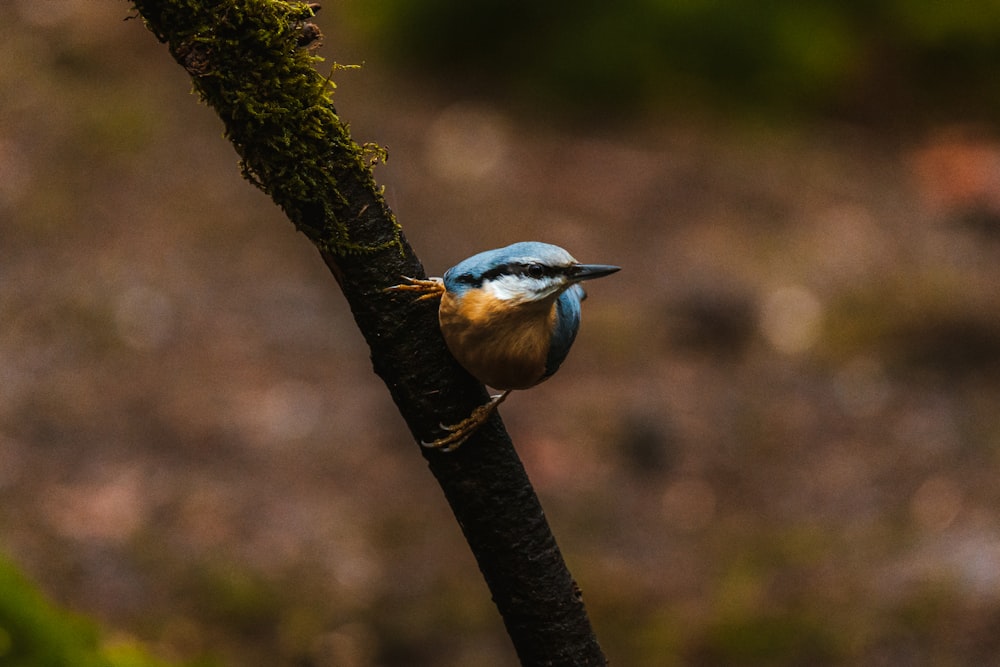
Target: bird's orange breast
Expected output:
[503,346]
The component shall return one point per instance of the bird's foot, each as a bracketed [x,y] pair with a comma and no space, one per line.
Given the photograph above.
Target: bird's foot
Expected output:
[430,288]
[463,430]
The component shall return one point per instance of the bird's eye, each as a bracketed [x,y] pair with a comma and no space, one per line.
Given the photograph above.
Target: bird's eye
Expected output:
[535,270]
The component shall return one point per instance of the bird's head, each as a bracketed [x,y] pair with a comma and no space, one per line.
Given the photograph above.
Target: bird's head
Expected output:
[522,273]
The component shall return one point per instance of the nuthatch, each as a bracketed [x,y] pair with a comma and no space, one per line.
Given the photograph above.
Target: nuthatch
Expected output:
[509,317]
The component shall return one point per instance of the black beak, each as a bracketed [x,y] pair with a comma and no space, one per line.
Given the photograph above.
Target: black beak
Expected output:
[579,272]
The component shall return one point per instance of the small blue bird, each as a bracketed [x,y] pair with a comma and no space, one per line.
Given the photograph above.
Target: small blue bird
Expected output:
[509,317]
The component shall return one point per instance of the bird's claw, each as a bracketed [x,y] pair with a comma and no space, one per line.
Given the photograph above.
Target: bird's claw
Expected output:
[430,288]
[463,430]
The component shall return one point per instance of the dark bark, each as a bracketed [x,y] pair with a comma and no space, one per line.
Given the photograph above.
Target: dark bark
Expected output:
[246,60]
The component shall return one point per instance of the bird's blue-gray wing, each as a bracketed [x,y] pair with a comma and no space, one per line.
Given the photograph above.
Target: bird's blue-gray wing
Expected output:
[567,324]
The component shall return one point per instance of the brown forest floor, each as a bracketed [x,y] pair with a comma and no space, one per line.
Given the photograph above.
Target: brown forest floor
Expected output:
[776,441]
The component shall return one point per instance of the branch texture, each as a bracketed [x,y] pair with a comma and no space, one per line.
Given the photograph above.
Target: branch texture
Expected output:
[248,61]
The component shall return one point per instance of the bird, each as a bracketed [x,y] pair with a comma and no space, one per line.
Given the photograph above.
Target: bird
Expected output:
[509,317]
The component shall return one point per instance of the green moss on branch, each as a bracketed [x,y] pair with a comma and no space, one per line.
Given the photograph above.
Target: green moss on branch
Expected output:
[250,62]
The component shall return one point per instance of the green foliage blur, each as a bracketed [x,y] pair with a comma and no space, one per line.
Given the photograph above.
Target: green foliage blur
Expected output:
[35,633]
[878,60]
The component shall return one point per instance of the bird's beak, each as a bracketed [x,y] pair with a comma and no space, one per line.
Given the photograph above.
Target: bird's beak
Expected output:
[579,272]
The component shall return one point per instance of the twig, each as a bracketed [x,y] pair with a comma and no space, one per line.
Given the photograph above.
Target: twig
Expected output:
[250,61]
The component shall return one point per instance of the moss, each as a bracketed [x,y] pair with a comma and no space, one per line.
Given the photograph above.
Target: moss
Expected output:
[250,60]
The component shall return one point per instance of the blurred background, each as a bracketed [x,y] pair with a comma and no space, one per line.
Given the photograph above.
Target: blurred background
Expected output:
[776,441]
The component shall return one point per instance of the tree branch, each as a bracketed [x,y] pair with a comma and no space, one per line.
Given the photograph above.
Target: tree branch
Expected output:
[247,61]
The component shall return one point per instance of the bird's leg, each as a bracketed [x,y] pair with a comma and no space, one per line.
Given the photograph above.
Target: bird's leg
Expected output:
[460,432]
[431,288]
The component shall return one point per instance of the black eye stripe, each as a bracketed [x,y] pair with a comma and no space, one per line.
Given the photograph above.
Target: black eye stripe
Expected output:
[526,269]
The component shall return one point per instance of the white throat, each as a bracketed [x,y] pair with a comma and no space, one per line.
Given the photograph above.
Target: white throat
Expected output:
[519,289]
